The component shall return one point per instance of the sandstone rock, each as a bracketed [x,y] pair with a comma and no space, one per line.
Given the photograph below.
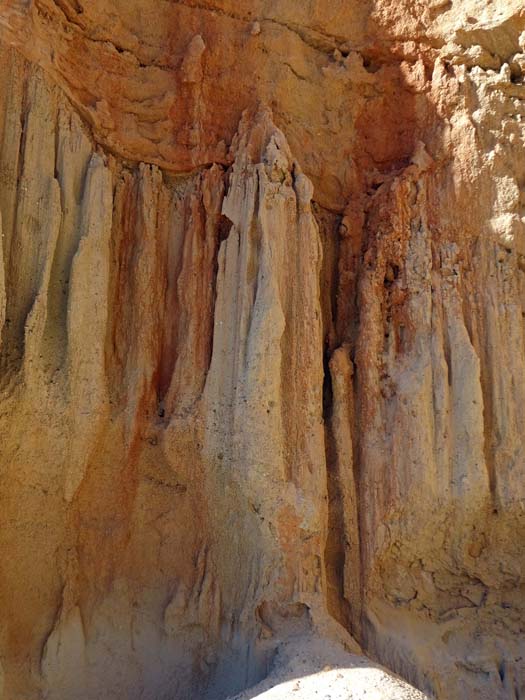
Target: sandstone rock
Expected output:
[262,361]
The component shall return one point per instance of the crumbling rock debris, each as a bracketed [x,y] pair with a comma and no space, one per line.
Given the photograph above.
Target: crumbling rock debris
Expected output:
[262,360]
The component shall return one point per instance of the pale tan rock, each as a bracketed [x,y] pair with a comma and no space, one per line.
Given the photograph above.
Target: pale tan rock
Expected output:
[262,363]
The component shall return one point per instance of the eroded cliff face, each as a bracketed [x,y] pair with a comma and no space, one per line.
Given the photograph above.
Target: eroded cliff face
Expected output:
[263,362]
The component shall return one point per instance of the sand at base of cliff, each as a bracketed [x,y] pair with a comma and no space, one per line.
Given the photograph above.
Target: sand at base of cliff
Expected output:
[313,668]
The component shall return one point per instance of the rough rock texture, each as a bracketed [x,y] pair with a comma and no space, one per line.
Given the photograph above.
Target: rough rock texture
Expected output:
[262,300]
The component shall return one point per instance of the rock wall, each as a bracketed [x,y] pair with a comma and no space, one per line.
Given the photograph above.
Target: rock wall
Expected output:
[263,362]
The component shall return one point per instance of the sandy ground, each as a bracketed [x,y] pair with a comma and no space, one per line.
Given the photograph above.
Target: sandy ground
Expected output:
[318,669]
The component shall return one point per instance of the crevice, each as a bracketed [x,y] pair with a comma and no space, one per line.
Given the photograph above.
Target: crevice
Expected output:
[328,396]
[225,225]
[337,546]
[334,551]
[501,671]
[295,73]
[371,66]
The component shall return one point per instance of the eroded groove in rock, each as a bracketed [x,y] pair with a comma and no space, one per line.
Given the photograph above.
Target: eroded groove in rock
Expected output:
[263,352]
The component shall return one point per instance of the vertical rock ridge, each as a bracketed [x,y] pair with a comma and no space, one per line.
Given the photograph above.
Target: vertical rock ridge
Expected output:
[33,228]
[260,320]
[87,317]
[2,280]
[194,289]
[176,262]
[35,355]
[342,422]
[73,153]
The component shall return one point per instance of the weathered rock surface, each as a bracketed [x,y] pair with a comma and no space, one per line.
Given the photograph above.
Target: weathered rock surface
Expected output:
[262,300]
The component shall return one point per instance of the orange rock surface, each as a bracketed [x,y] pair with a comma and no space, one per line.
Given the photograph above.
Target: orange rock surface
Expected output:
[262,367]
